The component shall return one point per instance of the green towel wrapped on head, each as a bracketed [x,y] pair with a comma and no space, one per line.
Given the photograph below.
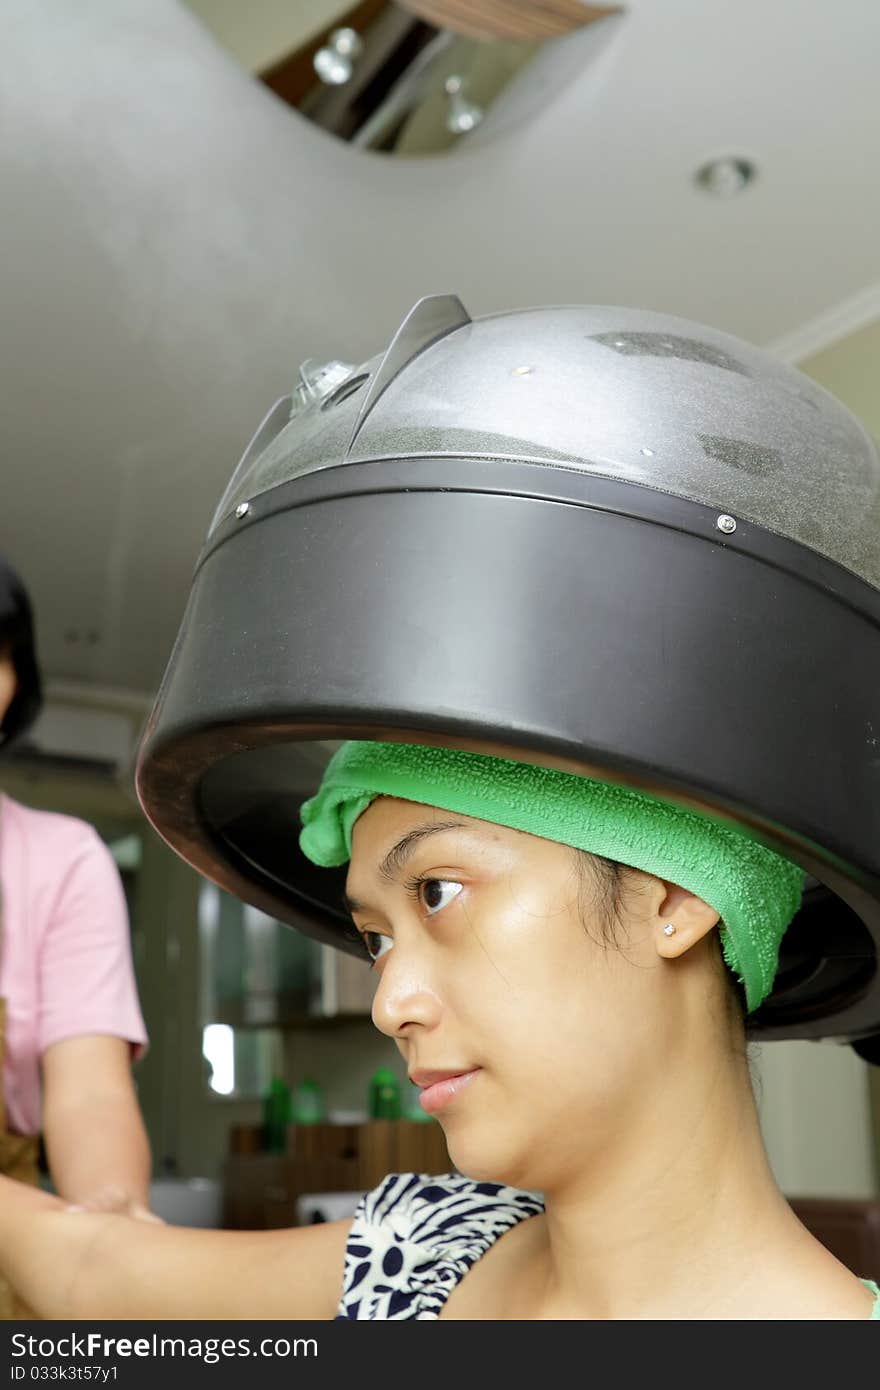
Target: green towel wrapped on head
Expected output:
[755,891]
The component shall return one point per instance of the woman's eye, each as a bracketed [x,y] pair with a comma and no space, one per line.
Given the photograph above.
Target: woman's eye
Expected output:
[376,944]
[436,893]
[431,893]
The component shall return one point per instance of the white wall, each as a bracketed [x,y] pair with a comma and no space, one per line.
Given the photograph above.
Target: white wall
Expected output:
[815,1109]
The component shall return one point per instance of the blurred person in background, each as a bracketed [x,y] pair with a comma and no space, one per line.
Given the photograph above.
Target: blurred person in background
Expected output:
[70,1018]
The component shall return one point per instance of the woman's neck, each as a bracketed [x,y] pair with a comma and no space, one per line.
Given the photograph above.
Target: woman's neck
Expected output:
[678,1217]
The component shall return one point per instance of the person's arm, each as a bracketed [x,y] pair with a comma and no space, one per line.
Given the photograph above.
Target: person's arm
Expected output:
[80,1265]
[88,1023]
[96,1145]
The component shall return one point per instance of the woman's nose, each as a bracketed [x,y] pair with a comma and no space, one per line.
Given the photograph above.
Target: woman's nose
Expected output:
[404,998]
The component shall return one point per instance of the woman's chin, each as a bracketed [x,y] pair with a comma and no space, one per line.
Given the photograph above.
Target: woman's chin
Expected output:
[484,1162]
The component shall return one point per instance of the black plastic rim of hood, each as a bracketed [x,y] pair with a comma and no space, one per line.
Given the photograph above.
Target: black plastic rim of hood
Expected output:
[560,616]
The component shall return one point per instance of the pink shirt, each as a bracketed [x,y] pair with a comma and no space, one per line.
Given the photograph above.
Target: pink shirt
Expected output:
[65,951]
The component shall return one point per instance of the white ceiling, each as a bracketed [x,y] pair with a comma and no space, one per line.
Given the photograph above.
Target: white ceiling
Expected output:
[174,241]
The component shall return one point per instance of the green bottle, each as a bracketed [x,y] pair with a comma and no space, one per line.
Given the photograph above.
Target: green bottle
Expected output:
[307,1106]
[276,1115]
[384,1096]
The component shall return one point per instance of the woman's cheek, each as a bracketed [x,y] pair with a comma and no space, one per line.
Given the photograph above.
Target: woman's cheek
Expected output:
[532,932]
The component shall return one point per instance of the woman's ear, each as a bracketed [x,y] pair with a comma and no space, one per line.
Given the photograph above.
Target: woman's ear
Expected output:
[683,919]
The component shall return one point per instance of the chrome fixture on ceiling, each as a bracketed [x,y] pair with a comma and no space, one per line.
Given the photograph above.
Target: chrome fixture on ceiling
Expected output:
[334,63]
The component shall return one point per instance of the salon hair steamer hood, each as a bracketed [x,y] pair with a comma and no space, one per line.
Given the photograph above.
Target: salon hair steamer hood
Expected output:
[601,539]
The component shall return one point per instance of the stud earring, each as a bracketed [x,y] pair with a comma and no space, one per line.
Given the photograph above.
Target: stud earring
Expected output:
[669,929]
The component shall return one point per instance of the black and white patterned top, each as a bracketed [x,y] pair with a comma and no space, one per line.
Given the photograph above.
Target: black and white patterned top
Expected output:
[415,1237]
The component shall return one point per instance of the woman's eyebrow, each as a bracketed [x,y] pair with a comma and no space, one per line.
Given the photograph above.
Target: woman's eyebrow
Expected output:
[398,855]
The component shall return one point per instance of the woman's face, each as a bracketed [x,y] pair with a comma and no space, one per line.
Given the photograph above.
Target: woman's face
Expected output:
[8,683]
[486,968]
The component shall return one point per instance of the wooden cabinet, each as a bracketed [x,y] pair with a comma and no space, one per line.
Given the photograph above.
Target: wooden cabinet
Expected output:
[260,1190]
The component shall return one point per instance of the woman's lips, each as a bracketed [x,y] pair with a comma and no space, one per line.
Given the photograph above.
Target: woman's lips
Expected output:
[439,1094]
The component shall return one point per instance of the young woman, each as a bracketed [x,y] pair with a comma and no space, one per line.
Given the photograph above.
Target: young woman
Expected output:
[580,552]
[575,1028]
[71,1020]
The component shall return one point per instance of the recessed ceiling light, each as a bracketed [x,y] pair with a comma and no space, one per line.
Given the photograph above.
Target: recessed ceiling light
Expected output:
[725,177]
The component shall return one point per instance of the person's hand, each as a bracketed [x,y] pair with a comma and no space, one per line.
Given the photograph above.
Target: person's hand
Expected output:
[117,1202]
